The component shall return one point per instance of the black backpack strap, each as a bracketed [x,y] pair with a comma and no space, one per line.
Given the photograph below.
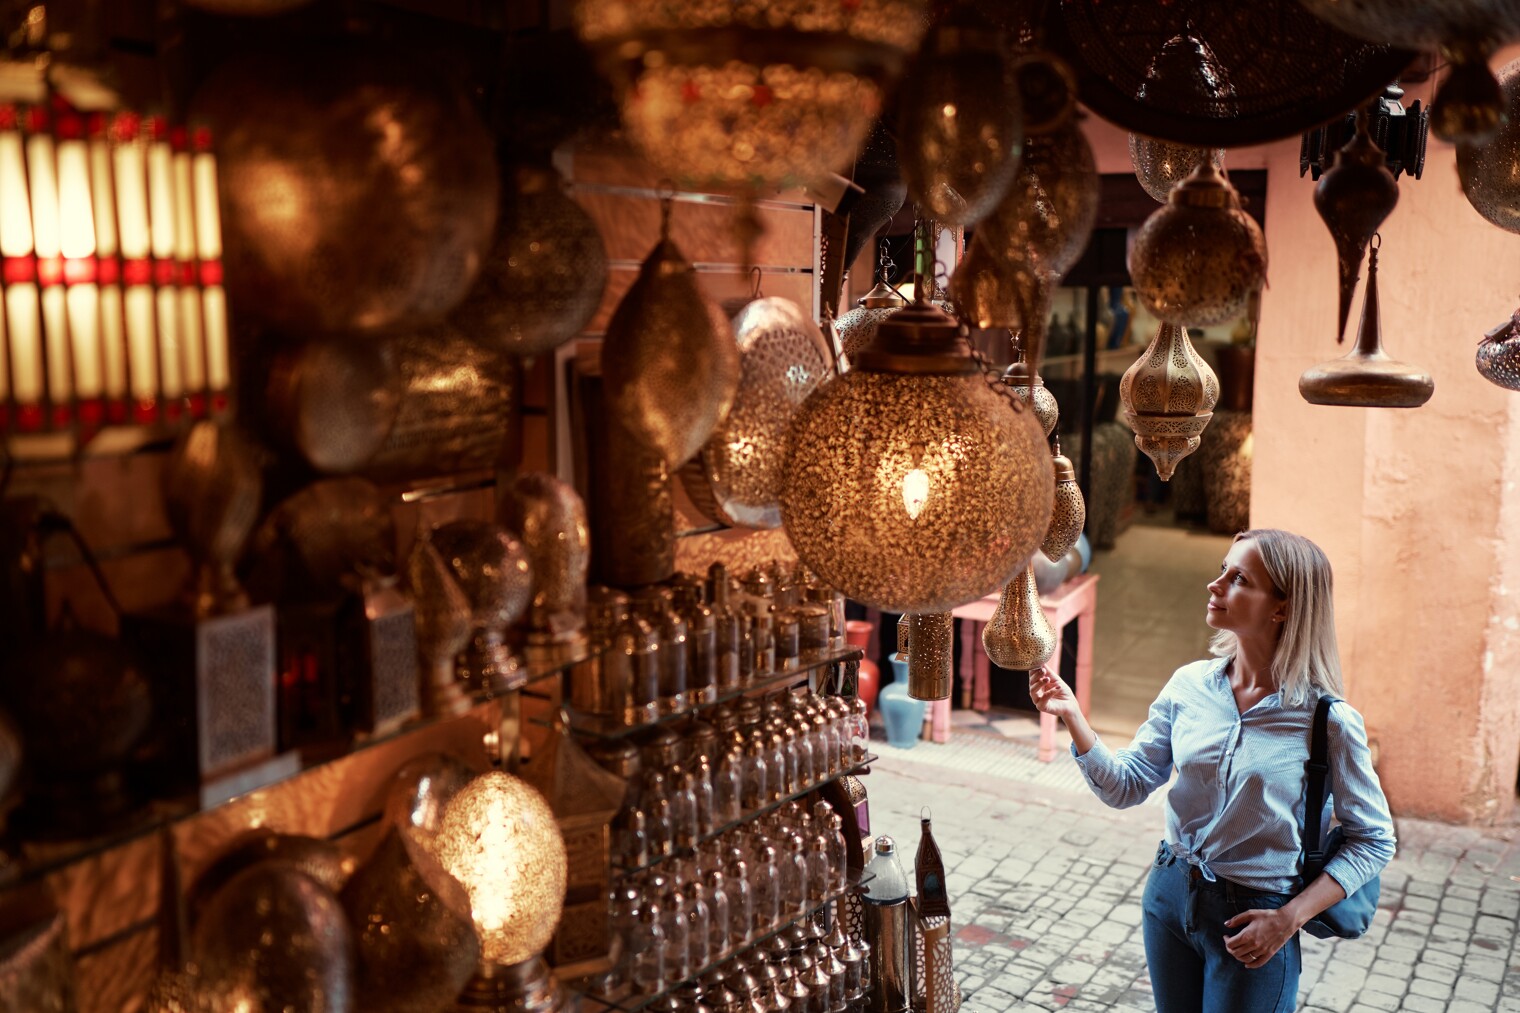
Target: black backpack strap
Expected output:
[1317,768]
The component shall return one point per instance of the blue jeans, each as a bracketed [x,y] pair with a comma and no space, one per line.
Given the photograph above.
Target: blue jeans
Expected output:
[1191,971]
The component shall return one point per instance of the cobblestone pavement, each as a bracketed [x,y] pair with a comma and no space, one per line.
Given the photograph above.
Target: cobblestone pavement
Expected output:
[1045,884]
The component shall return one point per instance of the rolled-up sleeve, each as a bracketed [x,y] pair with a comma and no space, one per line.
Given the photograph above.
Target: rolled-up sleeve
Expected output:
[1360,806]
[1127,777]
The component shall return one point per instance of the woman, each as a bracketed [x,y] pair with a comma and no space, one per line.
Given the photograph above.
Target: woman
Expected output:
[1223,903]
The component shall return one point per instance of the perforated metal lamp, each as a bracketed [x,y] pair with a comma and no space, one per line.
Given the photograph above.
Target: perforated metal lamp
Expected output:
[499,838]
[916,482]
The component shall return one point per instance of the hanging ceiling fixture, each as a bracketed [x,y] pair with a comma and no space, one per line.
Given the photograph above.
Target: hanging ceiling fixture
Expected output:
[669,361]
[1070,513]
[750,95]
[961,127]
[1018,636]
[1355,197]
[1470,105]
[1367,377]
[1197,261]
[1401,133]
[1168,398]
[1490,171]
[1161,165]
[1498,357]
[912,484]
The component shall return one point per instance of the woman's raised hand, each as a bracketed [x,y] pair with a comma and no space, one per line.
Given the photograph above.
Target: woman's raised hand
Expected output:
[1051,694]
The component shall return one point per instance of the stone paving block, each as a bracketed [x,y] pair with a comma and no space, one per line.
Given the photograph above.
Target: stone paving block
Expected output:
[1432,989]
[1474,990]
[1498,928]
[1385,983]
[1418,903]
[1465,1006]
[1434,972]
[1422,1004]
[1378,1000]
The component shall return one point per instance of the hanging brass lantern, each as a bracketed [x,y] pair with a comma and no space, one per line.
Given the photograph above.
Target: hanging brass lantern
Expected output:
[962,128]
[1490,171]
[1168,398]
[1160,165]
[1018,636]
[544,276]
[1366,377]
[1036,234]
[310,142]
[492,570]
[750,95]
[1033,392]
[670,365]
[1197,261]
[931,655]
[912,484]
[736,479]
[1354,197]
[1498,356]
[1070,513]
[857,328]
[1469,106]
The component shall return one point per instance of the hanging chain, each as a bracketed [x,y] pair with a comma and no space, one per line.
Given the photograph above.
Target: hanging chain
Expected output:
[886,267]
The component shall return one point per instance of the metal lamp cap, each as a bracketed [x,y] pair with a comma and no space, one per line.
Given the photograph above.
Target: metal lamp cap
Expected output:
[885,845]
[917,340]
[1205,187]
[882,297]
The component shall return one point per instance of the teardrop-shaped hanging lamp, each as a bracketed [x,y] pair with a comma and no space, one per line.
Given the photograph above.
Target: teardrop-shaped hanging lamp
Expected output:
[1168,398]
[1367,377]
[1018,636]
[1354,197]
[670,363]
[1070,512]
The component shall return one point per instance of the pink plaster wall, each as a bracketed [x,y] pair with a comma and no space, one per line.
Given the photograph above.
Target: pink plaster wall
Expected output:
[1419,510]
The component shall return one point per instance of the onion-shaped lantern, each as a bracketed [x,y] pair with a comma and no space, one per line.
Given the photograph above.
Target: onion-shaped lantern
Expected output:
[962,126]
[1032,391]
[1469,105]
[1168,398]
[1366,376]
[1197,261]
[1069,513]
[749,95]
[1490,171]
[1018,636]
[1160,165]
[913,483]
[1498,356]
[670,364]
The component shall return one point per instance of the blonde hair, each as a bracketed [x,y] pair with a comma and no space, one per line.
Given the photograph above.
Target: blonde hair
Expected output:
[1306,658]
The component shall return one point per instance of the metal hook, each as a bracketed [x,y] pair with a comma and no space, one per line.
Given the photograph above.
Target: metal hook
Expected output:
[755,274]
[1376,242]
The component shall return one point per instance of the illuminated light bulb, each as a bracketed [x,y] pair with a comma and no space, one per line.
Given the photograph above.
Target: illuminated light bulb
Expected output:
[915,492]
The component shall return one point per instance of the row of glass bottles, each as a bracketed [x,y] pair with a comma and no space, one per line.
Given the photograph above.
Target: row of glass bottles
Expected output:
[813,965]
[737,888]
[749,755]
[675,646]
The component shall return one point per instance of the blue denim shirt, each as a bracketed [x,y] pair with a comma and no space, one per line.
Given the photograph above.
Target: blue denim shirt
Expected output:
[1237,808]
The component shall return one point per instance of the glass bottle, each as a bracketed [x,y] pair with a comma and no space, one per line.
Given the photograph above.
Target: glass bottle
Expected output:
[649,951]
[741,912]
[698,925]
[820,874]
[705,792]
[632,838]
[860,730]
[825,745]
[778,773]
[683,810]
[756,772]
[677,939]
[838,852]
[728,787]
[765,890]
[654,604]
[702,648]
[719,913]
[726,631]
[763,629]
[746,650]
[659,813]
[807,759]
[636,650]
[794,876]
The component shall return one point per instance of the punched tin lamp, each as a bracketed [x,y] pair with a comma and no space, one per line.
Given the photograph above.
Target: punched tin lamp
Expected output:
[915,483]
[500,840]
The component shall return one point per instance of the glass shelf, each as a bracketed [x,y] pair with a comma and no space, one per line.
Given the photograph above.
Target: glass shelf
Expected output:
[605,727]
[26,859]
[862,766]
[629,1004]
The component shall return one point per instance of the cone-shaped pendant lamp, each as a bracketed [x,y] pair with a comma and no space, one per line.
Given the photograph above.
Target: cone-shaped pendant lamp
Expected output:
[1366,377]
[1354,197]
[1168,398]
[931,655]
[670,363]
[1070,512]
[1018,636]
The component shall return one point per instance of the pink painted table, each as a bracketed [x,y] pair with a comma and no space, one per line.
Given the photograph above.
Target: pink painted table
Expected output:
[1076,599]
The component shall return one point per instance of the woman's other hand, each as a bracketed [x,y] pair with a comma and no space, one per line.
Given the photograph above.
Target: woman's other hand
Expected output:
[1261,934]
[1051,694]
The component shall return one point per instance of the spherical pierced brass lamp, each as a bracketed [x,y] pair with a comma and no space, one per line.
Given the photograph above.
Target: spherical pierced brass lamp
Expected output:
[1498,357]
[1490,172]
[915,484]
[499,838]
[1161,165]
[857,328]
[1197,261]
[748,95]
[962,126]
